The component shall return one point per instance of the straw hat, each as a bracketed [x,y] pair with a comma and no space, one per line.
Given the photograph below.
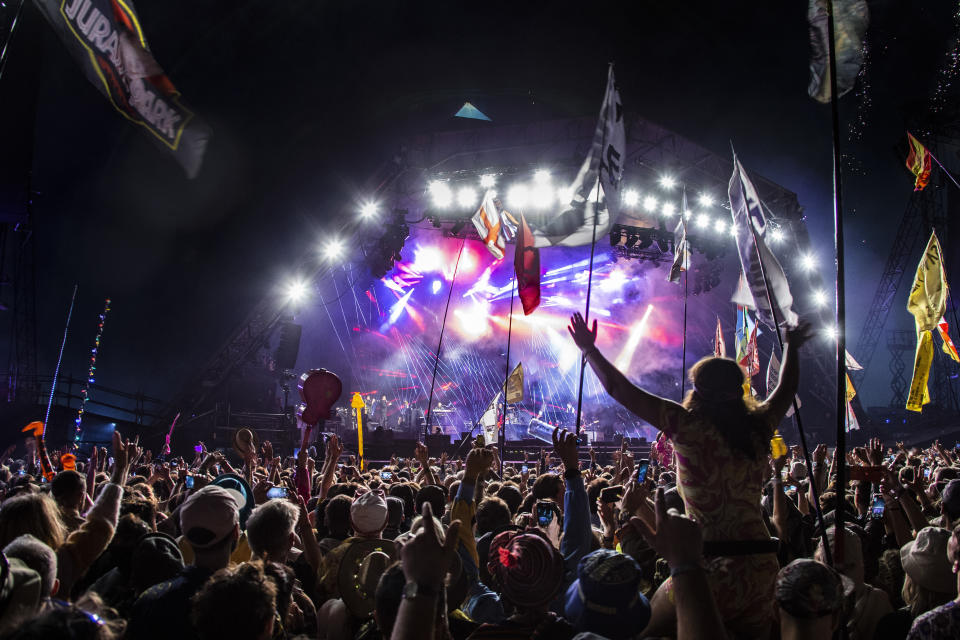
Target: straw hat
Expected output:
[245,440]
[360,570]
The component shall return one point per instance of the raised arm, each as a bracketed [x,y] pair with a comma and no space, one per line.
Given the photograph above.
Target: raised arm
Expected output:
[645,405]
[782,396]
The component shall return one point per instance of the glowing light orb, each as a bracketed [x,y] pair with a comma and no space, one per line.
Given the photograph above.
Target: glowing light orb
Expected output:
[296,291]
[487,181]
[650,203]
[368,210]
[427,259]
[668,209]
[518,196]
[441,194]
[333,249]
[631,197]
[467,197]
[820,298]
[705,200]
[808,262]
[668,182]
[541,176]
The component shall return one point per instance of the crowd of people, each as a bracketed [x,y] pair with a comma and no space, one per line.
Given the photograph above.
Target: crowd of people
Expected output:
[708,537]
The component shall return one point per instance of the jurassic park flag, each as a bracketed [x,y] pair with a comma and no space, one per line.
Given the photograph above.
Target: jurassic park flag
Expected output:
[107,41]
[927,302]
[919,163]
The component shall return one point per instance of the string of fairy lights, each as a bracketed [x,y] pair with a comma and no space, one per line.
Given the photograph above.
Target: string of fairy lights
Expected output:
[91,375]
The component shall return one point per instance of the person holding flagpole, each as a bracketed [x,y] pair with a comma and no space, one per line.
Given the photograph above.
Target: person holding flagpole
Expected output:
[721,439]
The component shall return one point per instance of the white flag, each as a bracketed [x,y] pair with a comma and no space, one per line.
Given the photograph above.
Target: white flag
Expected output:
[852,365]
[488,421]
[773,377]
[596,189]
[760,267]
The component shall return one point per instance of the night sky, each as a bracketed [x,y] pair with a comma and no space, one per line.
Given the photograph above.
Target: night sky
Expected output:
[307,99]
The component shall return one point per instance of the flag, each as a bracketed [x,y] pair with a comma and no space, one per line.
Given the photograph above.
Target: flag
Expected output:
[850,21]
[747,355]
[490,419]
[719,346]
[515,384]
[595,192]
[851,392]
[773,378]
[944,330]
[495,226]
[681,250]
[763,273]
[526,264]
[919,163]
[927,302]
[852,423]
[471,112]
[107,41]
[852,364]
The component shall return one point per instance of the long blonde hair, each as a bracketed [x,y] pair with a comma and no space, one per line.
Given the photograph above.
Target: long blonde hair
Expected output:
[32,513]
[718,397]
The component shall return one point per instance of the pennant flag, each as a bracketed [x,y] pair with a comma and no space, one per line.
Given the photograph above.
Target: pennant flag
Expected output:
[773,377]
[850,21]
[919,163]
[852,423]
[515,384]
[764,276]
[490,419]
[944,330]
[595,192]
[107,41]
[681,250]
[851,392]
[471,112]
[747,354]
[495,226]
[719,346]
[852,365]
[526,264]
[928,301]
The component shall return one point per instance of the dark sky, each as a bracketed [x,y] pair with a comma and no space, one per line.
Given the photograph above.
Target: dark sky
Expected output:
[306,99]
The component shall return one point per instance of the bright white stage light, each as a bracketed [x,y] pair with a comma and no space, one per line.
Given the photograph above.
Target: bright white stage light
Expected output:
[631,198]
[399,306]
[296,291]
[435,287]
[703,220]
[368,210]
[467,198]
[733,230]
[668,209]
[517,196]
[832,333]
[427,259]
[441,194]
[720,226]
[488,180]
[333,249]
[808,262]
[542,196]
[637,332]
[705,200]
[668,182]
[474,322]
[541,176]
[650,203]
[614,281]
[820,297]
[776,235]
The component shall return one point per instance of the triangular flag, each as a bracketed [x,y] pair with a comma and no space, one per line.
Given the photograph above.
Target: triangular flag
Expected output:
[852,423]
[852,365]
[927,302]
[944,330]
[471,112]
[918,161]
[719,345]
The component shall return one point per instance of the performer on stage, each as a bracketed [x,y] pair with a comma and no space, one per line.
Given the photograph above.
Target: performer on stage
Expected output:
[721,438]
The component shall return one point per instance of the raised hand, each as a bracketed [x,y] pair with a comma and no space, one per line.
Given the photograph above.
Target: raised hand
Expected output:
[565,446]
[677,538]
[799,335]
[584,336]
[421,454]
[426,558]
[479,460]
[875,452]
[267,449]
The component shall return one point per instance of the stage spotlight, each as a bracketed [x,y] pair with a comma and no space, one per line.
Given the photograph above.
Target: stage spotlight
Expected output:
[488,180]
[703,220]
[427,259]
[467,198]
[517,196]
[776,234]
[333,249]
[296,291]
[831,333]
[820,297]
[720,226]
[705,200]
[632,240]
[650,203]
[631,198]
[637,332]
[668,182]
[668,209]
[808,262]
[542,196]
[541,176]
[441,194]
[435,287]
[368,210]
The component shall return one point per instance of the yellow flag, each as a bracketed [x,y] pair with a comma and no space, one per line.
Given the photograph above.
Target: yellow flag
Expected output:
[851,392]
[928,301]
[515,385]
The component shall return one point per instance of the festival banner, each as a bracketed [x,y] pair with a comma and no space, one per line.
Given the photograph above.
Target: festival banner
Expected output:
[719,346]
[764,276]
[927,302]
[515,385]
[681,250]
[105,38]
[850,21]
[852,423]
[948,348]
[526,264]
[595,192]
[495,226]
[490,419]
[919,162]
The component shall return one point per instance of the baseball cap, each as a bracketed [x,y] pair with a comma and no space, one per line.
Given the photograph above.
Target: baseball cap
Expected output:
[368,513]
[605,598]
[208,516]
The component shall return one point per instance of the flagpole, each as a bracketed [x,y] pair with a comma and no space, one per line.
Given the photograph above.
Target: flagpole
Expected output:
[949,175]
[686,278]
[56,370]
[586,317]
[840,455]
[796,407]
[506,377]
[436,362]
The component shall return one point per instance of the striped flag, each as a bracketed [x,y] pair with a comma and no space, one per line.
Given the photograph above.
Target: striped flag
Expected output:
[681,250]
[764,276]
[747,355]
[719,346]
[919,163]
[944,330]
[495,226]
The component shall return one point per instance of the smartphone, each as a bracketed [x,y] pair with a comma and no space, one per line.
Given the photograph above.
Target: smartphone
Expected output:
[386,475]
[876,509]
[642,467]
[792,487]
[198,449]
[173,463]
[22,472]
[611,494]
[926,473]
[544,514]
[188,482]
[277,492]
[524,469]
